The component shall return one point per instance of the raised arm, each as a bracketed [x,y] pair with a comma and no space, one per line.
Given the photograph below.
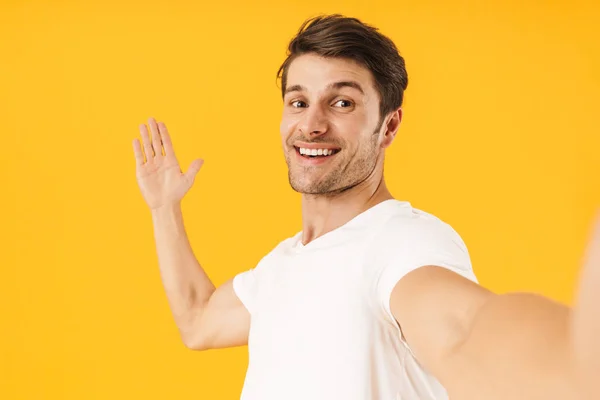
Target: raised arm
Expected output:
[207,317]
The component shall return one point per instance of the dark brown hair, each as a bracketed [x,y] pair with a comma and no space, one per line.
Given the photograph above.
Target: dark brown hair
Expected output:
[337,36]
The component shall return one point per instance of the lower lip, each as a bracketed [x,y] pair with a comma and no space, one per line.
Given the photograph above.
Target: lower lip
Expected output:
[313,160]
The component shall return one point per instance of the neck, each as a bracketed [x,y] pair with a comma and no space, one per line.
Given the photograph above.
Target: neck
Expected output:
[324,213]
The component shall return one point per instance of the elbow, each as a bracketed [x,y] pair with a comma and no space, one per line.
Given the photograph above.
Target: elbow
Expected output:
[194,343]
[192,333]
[194,339]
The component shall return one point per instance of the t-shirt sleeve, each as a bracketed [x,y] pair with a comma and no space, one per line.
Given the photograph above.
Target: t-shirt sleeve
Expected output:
[251,285]
[430,242]
[245,286]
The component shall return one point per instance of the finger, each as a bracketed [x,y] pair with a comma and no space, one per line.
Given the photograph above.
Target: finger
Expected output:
[192,171]
[146,142]
[156,142]
[137,152]
[166,139]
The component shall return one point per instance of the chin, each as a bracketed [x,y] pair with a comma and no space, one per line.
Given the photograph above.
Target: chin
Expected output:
[313,187]
[304,186]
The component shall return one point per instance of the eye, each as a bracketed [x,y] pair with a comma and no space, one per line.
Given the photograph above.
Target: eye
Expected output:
[298,104]
[344,103]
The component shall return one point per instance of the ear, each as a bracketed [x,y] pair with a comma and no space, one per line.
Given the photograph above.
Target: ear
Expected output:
[391,126]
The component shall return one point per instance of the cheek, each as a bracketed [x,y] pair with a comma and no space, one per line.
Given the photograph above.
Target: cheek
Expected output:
[287,124]
[286,129]
[351,131]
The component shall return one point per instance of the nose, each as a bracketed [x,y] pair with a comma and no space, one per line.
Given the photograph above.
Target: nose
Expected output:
[314,121]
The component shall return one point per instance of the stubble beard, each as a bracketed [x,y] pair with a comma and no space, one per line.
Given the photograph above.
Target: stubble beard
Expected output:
[346,174]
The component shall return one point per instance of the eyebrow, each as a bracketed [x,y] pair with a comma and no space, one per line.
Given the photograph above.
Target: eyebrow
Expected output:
[334,85]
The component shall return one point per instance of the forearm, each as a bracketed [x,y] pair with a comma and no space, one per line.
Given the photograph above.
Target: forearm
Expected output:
[186,284]
[518,347]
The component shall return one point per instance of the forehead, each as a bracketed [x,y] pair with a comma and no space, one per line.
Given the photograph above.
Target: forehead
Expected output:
[315,73]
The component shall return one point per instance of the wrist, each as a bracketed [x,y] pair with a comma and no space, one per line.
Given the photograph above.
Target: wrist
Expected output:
[166,210]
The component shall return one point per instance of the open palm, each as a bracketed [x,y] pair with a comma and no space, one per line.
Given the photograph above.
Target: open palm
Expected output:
[159,175]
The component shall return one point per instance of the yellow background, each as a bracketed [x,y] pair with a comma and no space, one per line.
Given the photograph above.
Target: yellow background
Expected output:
[500,138]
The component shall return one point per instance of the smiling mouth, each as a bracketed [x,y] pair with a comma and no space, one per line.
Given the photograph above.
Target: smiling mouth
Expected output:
[316,153]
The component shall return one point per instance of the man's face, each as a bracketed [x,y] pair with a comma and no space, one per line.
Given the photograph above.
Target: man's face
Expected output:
[331,108]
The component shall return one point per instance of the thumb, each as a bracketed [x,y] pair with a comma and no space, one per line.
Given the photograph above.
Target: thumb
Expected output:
[592,251]
[195,166]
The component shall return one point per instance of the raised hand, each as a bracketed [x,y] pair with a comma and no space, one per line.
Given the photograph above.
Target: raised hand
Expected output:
[159,176]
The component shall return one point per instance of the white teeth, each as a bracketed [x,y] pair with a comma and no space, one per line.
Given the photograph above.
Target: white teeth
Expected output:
[315,152]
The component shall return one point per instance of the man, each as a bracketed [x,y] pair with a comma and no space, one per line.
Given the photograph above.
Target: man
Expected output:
[373,299]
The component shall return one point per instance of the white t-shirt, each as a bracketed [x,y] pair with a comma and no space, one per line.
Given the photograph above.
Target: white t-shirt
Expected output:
[321,326]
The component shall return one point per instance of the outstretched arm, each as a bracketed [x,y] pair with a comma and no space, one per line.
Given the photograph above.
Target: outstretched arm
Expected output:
[481,345]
